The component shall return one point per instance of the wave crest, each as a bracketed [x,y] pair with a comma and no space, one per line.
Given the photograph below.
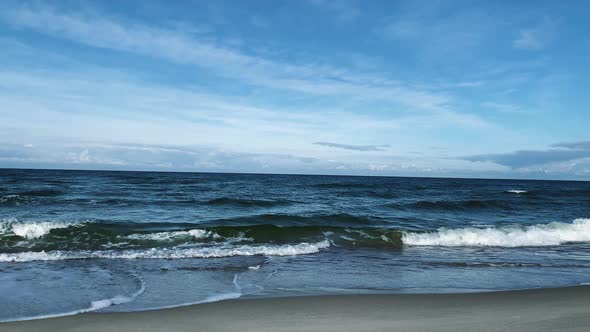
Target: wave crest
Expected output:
[552,234]
[171,253]
[516,191]
[169,236]
[460,205]
[29,230]
[242,202]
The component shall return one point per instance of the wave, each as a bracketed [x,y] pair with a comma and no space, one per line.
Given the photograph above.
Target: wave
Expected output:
[94,236]
[368,237]
[116,240]
[343,185]
[26,197]
[42,193]
[516,191]
[461,205]
[242,202]
[135,201]
[29,230]
[168,236]
[552,234]
[171,253]
[377,193]
[170,200]
[15,200]
[338,219]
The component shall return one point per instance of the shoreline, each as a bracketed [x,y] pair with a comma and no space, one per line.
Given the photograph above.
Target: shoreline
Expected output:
[546,309]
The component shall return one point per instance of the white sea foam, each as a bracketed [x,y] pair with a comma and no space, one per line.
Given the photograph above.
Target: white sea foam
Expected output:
[94,305]
[29,230]
[171,253]
[209,299]
[509,236]
[516,191]
[167,236]
[7,198]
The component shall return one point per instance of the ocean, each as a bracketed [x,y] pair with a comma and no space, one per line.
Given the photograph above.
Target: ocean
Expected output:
[79,241]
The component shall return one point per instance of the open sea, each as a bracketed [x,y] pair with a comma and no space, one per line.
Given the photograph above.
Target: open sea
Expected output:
[79,241]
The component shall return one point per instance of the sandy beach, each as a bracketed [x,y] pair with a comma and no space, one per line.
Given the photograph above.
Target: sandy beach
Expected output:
[563,309]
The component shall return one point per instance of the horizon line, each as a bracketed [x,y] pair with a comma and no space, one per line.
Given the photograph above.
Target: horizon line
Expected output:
[2,168]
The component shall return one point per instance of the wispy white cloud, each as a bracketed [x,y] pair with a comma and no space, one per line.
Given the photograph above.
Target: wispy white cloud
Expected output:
[353,147]
[93,155]
[96,119]
[504,107]
[102,105]
[265,107]
[310,78]
[105,106]
[537,37]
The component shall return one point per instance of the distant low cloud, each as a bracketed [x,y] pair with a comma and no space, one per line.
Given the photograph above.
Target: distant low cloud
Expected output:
[560,152]
[584,145]
[353,147]
[88,155]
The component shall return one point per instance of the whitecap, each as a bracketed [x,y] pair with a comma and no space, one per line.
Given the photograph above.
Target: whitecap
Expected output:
[168,236]
[171,253]
[29,230]
[551,234]
[516,191]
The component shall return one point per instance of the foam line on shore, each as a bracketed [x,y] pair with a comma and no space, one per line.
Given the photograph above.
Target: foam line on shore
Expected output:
[94,305]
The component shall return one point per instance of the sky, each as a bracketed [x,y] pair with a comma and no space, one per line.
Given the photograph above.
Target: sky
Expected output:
[393,88]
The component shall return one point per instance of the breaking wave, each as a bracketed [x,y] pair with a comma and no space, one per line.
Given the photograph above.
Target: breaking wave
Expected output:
[516,191]
[169,236]
[171,253]
[100,240]
[551,234]
[27,241]
[29,230]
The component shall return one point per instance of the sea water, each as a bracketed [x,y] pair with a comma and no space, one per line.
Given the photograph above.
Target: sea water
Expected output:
[79,241]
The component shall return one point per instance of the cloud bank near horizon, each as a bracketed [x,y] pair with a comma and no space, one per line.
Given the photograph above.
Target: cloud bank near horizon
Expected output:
[353,147]
[572,153]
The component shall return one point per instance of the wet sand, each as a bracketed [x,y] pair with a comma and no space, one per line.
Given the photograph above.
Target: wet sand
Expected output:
[557,309]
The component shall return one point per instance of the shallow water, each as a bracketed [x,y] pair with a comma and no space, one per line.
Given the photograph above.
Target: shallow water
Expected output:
[73,241]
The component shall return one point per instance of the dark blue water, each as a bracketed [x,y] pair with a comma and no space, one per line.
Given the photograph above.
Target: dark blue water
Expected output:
[75,241]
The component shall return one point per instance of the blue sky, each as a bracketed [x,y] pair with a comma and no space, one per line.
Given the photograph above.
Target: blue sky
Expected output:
[413,88]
